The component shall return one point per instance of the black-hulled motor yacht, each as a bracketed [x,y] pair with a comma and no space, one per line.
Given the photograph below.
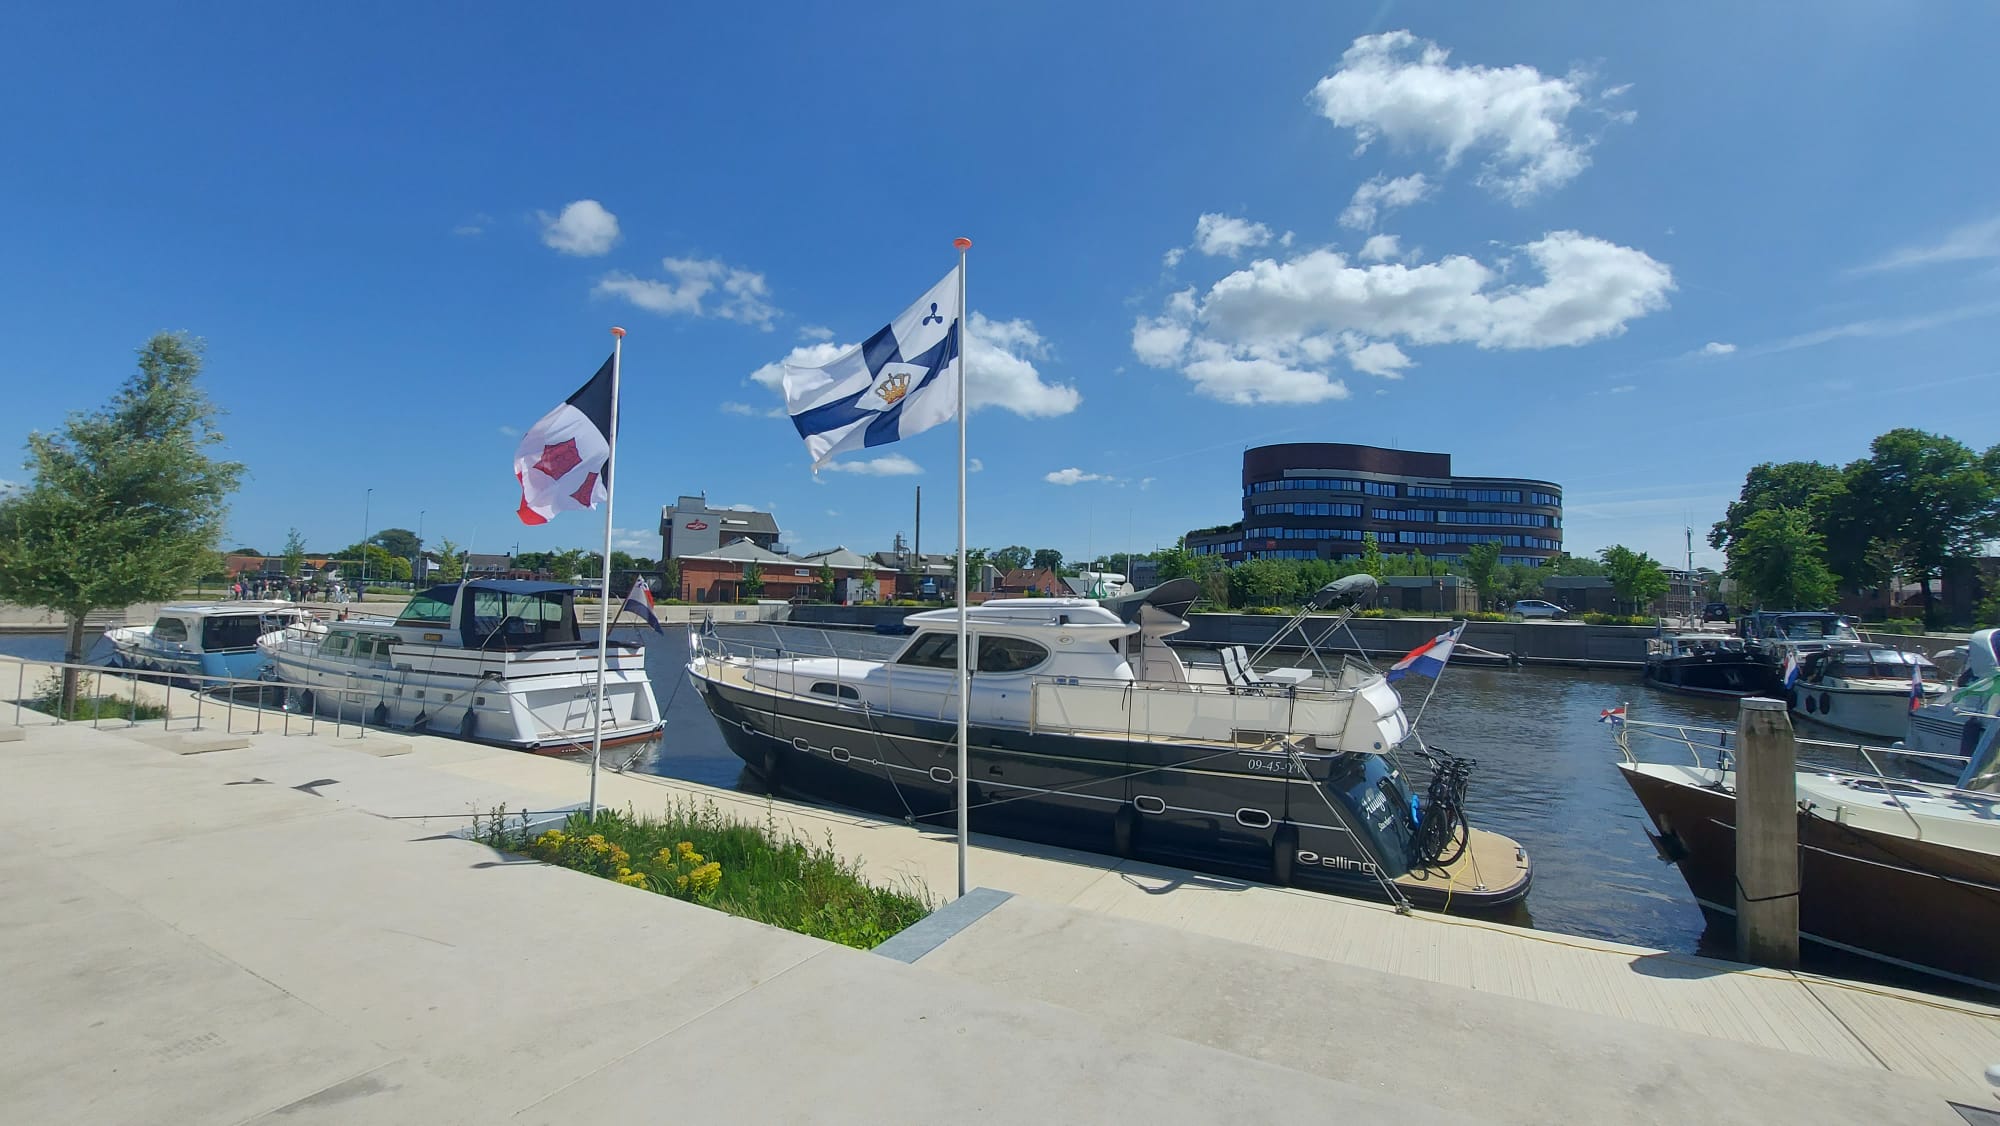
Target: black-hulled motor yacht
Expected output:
[1087,730]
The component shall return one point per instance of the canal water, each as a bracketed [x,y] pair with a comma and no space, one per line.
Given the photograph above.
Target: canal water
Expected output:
[1545,775]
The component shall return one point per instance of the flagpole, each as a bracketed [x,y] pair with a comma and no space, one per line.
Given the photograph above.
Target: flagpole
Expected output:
[1434,680]
[964,657]
[604,572]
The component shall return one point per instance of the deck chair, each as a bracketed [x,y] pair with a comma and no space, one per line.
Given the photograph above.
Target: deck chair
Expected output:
[1236,669]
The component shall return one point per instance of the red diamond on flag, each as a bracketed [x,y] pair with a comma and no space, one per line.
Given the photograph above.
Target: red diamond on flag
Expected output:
[582,495]
[559,459]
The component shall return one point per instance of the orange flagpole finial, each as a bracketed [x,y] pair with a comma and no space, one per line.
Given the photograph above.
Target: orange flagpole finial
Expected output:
[962,243]
[616,331]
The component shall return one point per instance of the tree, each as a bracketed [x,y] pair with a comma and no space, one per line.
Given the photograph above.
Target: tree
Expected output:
[1371,554]
[451,562]
[1480,561]
[243,551]
[295,553]
[1515,581]
[1048,557]
[1177,562]
[1013,557]
[1573,566]
[1926,500]
[399,542]
[566,565]
[753,582]
[124,505]
[827,581]
[670,577]
[1635,575]
[1799,485]
[1776,560]
[536,561]
[1263,582]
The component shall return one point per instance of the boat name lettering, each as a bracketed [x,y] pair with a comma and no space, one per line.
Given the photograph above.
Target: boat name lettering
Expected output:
[1274,766]
[1340,863]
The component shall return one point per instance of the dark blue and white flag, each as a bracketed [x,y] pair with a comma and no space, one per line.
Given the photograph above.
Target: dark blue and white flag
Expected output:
[901,381]
[640,602]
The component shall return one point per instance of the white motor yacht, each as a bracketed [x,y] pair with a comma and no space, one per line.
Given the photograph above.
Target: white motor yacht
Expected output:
[493,660]
[1865,689]
[205,639]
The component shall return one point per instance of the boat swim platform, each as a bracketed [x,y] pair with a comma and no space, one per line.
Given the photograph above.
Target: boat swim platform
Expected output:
[1256,946]
[1285,987]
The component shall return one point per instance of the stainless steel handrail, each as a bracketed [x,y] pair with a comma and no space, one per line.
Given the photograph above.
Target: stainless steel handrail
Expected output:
[204,689]
[1683,734]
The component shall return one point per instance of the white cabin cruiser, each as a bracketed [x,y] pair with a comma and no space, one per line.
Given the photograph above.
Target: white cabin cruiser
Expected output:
[205,639]
[493,660]
[1865,689]
[1086,729]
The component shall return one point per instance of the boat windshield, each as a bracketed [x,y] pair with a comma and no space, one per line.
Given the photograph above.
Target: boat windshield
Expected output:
[222,633]
[1882,664]
[499,619]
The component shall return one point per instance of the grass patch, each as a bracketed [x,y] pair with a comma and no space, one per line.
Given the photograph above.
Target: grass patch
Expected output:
[693,852]
[48,699]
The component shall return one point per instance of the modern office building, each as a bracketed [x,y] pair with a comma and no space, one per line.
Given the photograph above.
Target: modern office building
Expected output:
[690,527]
[1318,500]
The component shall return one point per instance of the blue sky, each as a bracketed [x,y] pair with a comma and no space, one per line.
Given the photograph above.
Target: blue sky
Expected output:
[1630,251]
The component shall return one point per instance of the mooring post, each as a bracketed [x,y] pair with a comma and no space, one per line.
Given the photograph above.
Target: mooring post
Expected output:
[1767,835]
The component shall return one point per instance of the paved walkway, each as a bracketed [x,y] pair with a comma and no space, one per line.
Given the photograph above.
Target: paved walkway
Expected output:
[264,857]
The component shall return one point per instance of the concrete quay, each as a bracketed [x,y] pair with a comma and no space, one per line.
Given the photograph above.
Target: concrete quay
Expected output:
[285,930]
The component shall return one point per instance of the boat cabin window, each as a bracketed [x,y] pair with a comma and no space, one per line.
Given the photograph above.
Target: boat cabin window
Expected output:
[932,651]
[337,645]
[1886,664]
[223,632]
[1010,654]
[500,619]
[373,647]
[1815,629]
[841,691]
[170,629]
[433,605]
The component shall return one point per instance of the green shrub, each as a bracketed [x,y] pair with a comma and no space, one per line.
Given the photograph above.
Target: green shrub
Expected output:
[1594,618]
[1893,625]
[48,699]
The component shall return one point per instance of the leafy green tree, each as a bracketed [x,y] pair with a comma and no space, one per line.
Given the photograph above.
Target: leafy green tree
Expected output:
[1777,560]
[1515,581]
[1928,500]
[670,577]
[1799,485]
[1635,575]
[1177,562]
[1481,560]
[536,561]
[753,582]
[451,562]
[399,542]
[124,505]
[295,553]
[1262,582]
[1048,557]
[243,551]
[1573,566]
[566,565]
[828,580]
[1013,557]
[1371,555]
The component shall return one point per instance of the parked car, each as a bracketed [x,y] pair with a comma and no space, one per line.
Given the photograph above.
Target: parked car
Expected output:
[1715,612]
[1536,608]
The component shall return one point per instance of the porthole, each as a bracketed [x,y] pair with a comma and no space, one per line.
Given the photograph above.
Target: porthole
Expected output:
[1253,818]
[942,774]
[840,754]
[1147,803]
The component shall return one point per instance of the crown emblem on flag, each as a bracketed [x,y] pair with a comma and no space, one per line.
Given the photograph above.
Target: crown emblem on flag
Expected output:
[893,389]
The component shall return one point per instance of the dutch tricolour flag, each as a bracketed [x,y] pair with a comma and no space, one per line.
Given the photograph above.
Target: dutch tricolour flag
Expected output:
[901,381]
[1916,686]
[1613,716]
[640,602]
[1790,675]
[561,461]
[1428,658]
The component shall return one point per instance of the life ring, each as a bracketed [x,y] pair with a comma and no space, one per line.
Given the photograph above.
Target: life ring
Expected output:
[1284,851]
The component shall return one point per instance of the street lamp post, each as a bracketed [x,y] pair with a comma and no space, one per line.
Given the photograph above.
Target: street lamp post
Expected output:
[366,497]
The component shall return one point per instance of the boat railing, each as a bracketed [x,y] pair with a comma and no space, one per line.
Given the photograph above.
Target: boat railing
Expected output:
[187,702]
[1892,786]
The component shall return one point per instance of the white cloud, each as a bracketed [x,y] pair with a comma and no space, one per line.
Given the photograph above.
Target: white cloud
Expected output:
[1972,242]
[1146,483]
[473,227]
[584,229]
[974,465]
[1379,248]
[1405,89]
[1072,476]
[1717,348]
[891,465]
[511,431]
[751,410]
[1878,327]
[738,294]
[1224,236]
[815,332]
[1000,369]
[1267,333]
[1382,194]
[1173,257]
[1624,389]
[636,541]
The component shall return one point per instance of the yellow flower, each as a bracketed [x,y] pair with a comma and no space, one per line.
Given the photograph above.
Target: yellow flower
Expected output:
[681,882]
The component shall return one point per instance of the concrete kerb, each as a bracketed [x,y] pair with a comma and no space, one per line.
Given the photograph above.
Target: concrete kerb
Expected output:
[938,927]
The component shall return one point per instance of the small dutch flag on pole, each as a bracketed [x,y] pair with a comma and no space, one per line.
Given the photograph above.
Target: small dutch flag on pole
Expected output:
[1613,716]
[1791,673]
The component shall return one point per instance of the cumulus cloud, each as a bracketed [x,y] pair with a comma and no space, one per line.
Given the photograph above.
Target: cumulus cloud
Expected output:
[1072,476]
[1624,389]
[1380,248]
[1381,195]
[584,229]
[1717,348]
[1000,369]
[473,227]
[510,431]
[1404,89]
[890,465]
[1225,236]
[1271,331]
[1173,257]
[815,332]
[696,287]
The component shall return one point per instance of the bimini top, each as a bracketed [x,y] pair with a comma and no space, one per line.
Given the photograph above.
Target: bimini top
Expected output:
[1173,596]
[514,586]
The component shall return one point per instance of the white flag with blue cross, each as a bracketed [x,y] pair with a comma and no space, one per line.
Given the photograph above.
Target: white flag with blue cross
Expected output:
[901,381]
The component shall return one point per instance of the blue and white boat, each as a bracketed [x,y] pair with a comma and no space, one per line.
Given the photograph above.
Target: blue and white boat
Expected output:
[206,639]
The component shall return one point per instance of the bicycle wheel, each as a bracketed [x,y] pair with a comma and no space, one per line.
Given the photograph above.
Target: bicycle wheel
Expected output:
[1456,835]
